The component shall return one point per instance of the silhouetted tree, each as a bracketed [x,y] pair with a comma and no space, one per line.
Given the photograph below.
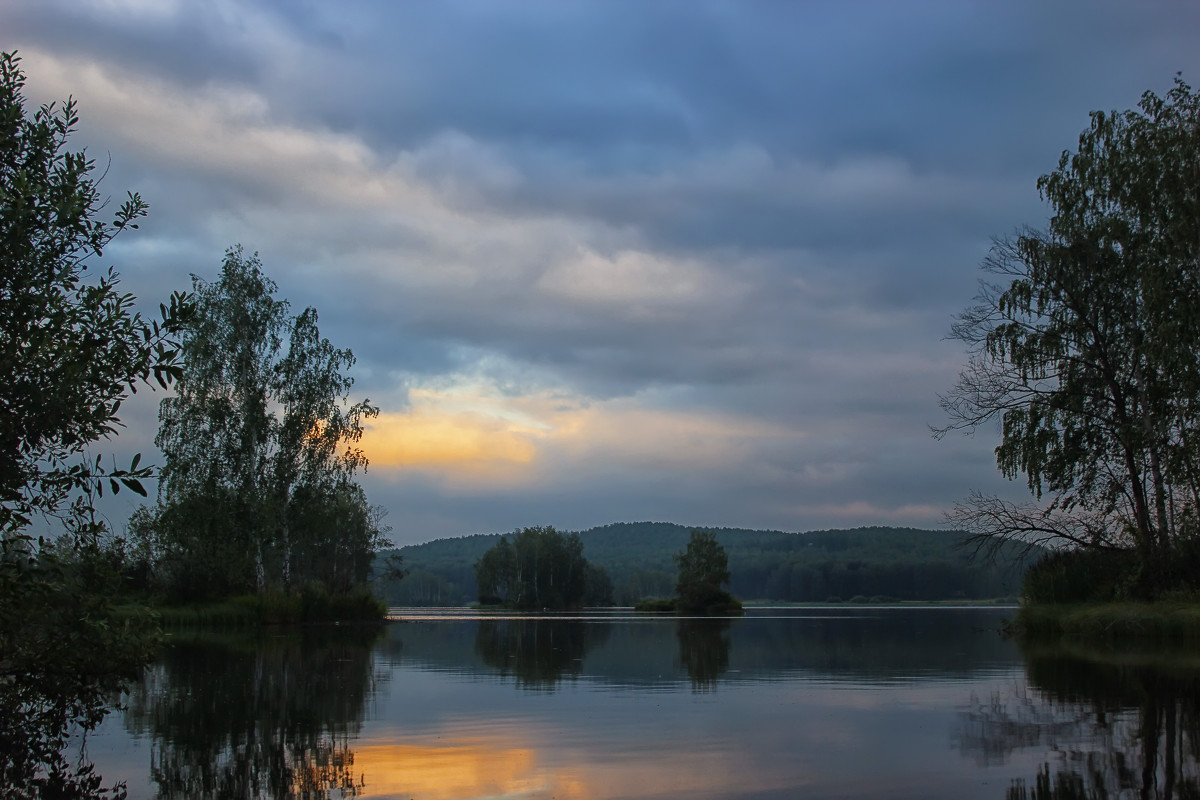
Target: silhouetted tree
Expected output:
[71,350]
[541,568]
[703,571]
[1083,342]
[260,429]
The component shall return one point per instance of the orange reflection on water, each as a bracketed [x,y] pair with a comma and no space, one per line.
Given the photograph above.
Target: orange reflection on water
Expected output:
[458,772]
[482,768]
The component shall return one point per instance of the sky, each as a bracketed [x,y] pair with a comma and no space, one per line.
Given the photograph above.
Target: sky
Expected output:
[691,262]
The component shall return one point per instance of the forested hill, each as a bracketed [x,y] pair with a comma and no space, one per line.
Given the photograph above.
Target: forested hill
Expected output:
[880,563]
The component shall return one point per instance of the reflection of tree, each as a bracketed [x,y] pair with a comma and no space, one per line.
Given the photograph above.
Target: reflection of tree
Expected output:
[1122,730]
[289,707]
[992,730]
[704,650]
[36,720]
[538,652]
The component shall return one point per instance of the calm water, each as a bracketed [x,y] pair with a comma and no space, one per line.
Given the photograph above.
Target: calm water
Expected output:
[850,703]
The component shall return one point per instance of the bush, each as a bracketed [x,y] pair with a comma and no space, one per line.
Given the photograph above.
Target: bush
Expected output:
[1103,576]
[657,605]
[312,603]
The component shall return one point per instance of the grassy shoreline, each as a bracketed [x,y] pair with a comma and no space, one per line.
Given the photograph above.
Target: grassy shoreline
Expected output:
[255,610]
[1171,620]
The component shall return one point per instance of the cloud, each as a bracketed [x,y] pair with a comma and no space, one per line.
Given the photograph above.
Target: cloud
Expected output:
[473,437]
[688,261]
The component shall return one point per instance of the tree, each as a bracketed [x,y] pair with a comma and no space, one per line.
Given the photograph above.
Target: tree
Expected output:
[703,570]
[1083,342]
[71,350]
[260,443]
[541,569]
[495,573]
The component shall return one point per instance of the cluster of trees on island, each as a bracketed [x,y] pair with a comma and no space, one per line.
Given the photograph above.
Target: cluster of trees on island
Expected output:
[541,569]
[880,564]
[544,569]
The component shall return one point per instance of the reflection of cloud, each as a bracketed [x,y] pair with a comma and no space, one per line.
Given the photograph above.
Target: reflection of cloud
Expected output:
[457,772]
[483,768]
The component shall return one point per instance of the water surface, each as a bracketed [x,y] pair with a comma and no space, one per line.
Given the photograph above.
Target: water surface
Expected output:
[818,703]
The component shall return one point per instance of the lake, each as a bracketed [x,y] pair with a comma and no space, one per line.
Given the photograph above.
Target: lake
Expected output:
[783,703]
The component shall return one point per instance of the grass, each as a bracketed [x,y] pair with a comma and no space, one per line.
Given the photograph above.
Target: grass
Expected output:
[1165,619]
[657,605]
[727,606]
[890,603]
[308,605]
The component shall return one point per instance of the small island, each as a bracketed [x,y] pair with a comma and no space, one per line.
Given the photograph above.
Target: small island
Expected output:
[703,572]
[542,569]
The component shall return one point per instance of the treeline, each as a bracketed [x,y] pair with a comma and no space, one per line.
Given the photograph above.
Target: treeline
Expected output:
[873,563]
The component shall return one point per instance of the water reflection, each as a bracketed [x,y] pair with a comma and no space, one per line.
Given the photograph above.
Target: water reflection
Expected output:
[704,650]
[1117,726]
[538,653]
[257,717]
[815,703]
[873,645]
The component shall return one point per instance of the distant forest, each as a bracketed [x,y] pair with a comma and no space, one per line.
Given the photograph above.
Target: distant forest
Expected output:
[865,563]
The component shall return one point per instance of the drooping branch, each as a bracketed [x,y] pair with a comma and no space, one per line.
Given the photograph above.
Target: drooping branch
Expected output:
[994,523]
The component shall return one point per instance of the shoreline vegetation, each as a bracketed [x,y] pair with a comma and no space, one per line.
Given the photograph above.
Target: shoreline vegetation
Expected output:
[1107,595]
[1168,620]
[1082,350]
[732,607]
[304,607]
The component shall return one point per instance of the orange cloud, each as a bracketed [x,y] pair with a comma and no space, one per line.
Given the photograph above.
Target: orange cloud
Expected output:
[427,438]
[469,434]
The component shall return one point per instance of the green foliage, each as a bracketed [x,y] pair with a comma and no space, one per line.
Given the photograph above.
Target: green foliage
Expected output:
[899,563]
[62,654]
[1090,575]
[657,605]
[1084,349]
[71,350]
[541,569]
[703,571]
[1107,622]
[597,586]
[1078,576]
[261,447]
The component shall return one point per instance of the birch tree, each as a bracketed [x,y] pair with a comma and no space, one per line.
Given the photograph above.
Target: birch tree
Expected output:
[257,420]
[1083,342]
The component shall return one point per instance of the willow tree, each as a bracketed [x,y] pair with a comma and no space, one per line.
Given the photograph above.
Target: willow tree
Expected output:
[260,427]
[1084,339]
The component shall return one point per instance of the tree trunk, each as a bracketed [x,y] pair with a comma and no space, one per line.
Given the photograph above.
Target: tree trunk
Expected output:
[1160,500]
[286,539]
